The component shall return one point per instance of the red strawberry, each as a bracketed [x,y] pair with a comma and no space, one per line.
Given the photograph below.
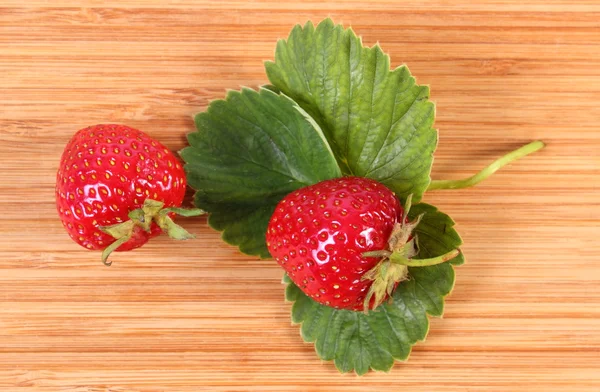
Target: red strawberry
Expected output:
[112,184]
[320,235]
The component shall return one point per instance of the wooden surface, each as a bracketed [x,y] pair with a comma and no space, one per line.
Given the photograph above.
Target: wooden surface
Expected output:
[193,316]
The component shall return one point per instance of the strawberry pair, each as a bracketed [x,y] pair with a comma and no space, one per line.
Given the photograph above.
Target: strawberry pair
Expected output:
[345,242]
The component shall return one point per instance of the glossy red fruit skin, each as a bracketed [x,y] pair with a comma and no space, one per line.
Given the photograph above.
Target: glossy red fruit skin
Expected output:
[319,233]
[105,172]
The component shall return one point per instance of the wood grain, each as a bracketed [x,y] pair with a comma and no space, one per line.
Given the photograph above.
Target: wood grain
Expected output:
[525,311]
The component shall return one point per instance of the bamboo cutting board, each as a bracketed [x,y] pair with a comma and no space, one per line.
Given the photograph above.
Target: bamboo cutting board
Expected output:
[524,314]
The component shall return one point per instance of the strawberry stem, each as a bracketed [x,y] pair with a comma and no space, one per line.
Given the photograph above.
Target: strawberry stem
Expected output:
[151,211]
[397,258]
[489,170]
[109,249]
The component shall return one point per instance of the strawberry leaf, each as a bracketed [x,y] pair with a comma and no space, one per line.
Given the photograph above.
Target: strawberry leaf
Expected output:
[359,342]
[251,150]
[333,108]
[378,122]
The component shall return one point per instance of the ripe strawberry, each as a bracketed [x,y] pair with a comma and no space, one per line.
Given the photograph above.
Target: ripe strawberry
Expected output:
[111,186]
[345,242]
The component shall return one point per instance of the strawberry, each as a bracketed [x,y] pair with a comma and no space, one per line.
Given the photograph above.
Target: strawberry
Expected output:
[116,188]
[345,242]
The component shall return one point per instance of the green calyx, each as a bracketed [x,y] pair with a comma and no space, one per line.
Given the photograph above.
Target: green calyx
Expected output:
[393,267]
[151,211]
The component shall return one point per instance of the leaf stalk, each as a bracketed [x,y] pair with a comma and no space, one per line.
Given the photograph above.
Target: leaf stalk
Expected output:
[489,170]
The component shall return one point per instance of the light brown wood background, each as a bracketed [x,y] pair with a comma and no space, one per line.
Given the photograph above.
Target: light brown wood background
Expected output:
[194,316]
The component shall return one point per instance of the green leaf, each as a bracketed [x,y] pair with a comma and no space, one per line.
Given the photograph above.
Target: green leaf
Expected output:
[378,122]
[359,342]
[251,150]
